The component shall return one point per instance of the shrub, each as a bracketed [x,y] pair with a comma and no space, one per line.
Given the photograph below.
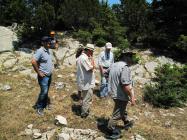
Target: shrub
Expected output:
[170,89]
[182,43]
[83,36]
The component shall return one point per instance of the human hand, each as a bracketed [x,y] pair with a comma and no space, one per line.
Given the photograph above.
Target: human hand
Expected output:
[133,101]
[41,74]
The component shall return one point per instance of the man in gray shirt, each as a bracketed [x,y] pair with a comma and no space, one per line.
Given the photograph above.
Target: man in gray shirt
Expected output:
[42,64]
[120,89]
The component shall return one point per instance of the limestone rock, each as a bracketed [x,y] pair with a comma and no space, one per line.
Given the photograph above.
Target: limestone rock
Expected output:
[63,136]
[7,39]
[28,132]
[6,87]
[37,135]
[59,85]
[60,120]
[9,63]
[150,66]
[30,126]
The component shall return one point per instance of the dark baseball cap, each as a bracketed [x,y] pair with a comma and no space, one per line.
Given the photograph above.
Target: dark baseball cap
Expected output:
[46,39]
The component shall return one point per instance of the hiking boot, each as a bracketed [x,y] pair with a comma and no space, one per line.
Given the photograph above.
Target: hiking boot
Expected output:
[49,107]
[40,111]
[84,115]
[114,134]
[128,124]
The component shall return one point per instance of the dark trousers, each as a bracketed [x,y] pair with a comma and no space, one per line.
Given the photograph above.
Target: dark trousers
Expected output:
[44,83]
[119,113]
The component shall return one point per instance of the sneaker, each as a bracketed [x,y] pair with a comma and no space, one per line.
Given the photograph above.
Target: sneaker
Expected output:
[49,107]
[128,124]
[40,111]
[114,134]
[84,115]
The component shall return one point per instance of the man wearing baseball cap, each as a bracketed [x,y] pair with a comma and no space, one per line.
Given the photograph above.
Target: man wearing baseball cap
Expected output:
[106,58]
[54,46]
[42,64]
[86,78]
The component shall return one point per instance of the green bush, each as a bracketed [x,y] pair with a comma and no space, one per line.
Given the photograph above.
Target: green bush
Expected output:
[182,43]
[170,89]
[83,36]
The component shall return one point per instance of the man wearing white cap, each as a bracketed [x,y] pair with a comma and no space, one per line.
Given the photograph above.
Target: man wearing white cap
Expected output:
[86,78]
[106,58]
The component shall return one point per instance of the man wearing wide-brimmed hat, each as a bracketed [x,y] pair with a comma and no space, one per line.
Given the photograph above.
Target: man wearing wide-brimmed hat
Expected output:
[121,91]
[86,77]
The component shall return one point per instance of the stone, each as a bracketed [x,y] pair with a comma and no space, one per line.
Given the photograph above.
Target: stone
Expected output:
[59,76]
[63,136]
[7,39]
[37,135]
[60,120]
[28,132]
[30,126]
[140,71]
[137,137]
[26,72]
[6,87]
[164,60]
[36,130]
[10,63]
[59,85]
[100,138]
[181,109]
[150,66]
[168,124]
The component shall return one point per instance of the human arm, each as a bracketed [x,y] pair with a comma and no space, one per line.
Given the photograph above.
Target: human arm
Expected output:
[36,68]
[127,84]
[129,90]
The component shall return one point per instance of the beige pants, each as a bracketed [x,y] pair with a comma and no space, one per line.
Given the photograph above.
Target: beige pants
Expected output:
[119,113]
[86,100]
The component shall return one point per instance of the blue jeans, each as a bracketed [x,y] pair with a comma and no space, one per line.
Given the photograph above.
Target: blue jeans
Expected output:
[44,83]
[104,87]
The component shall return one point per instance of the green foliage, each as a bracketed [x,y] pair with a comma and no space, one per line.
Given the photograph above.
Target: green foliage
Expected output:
[83,36]
[182,43]
[171,87]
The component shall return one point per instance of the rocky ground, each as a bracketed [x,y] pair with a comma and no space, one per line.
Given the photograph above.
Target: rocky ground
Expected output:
[19,91]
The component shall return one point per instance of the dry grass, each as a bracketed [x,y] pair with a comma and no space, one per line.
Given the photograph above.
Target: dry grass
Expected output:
[17,112]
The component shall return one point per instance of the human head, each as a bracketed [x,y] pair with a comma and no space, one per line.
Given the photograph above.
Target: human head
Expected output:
[52,33]
[89,49]
[126,56]
[46,41]
[108,46]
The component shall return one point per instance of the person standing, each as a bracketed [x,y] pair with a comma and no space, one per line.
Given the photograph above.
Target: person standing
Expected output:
[121,90]
[54,46]
[106,58]
[86,78]
[42,64]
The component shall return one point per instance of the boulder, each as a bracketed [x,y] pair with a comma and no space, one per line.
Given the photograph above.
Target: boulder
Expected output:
[150,66]
[10,63]
[63,136]
[7,39]
[60,120]
[37,135]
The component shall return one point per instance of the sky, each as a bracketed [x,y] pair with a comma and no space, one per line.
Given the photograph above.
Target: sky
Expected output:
[118,1]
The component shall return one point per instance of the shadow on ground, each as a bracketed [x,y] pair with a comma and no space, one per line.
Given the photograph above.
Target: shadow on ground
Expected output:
[76,109]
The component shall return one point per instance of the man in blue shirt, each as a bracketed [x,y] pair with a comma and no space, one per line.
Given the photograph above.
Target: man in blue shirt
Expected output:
[106,59]
[42,64]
